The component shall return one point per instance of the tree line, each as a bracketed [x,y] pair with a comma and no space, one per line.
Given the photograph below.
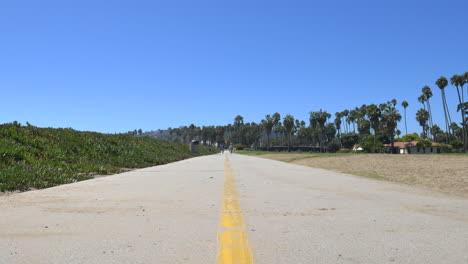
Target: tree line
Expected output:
[371,126]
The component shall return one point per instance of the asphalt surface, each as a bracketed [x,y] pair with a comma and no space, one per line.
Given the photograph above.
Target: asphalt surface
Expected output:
[291,214]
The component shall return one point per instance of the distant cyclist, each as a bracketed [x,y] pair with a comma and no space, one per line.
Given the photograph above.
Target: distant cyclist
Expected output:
[230,148]
[222,148]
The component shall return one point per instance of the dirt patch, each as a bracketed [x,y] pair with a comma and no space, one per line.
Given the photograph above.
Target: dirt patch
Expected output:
[445,173]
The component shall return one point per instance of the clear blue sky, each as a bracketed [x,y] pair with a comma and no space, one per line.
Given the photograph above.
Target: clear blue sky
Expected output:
[114,66]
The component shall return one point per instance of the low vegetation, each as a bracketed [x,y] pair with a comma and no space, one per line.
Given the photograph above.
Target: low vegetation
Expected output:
[34,158]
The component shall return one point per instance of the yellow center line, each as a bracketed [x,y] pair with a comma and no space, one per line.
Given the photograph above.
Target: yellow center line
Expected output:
[234,246]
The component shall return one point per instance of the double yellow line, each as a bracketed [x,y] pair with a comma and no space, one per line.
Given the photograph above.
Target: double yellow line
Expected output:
[234,246]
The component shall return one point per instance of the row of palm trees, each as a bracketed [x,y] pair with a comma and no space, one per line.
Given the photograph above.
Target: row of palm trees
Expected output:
[383,119]
[424,115]
[375,124]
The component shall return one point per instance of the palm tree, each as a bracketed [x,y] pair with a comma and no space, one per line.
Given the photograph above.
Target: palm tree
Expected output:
[301,132]
[456,130]
[374,114]
[345,114]
[288,123]
[276,118]
[363,124]
[238,125]
[422,116]
[422,100]
[465,81]
[268,124]
[220,134]
[390,119]
[458,81]
[212,135]
[426,90]
[352,118]
[277,126]
[318,119]
[442,83]
[337,122]
[405,105]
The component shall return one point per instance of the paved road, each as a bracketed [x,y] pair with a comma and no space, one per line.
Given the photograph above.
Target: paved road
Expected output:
[196,210]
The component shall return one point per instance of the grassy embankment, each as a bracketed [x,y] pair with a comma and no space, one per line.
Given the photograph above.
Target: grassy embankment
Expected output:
[442,172]
[34,158]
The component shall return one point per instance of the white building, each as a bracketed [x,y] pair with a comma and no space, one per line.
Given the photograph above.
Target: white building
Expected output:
[412,148]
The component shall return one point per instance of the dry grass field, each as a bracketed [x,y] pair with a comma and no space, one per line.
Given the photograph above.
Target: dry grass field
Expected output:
[445,173]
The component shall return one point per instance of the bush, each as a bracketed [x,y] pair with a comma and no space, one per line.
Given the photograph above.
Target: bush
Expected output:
[424,143]
[349,140]
[368,145]
[240,146]
[446,148]
[334,145]
[456,144]
[408,138]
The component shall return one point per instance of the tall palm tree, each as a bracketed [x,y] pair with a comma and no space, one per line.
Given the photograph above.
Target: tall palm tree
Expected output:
[405,105]
[457,81]
[220,130]
[277,126]
[324,121]
[422,116]
[302,132]
[238,125]
[345,114]
[422,100]
[442,83]
[374,114]
[390,119]
[426,90]
[363,124]
[288,123]
[465,78]
[352,117]
[337,123]
[318,119]
[212,136]
[268,124]
[464,107]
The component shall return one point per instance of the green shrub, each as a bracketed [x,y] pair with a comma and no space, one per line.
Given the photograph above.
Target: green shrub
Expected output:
[408,138]
[424,143]
[334,145]
[349,140]
[32,157]
[456,144]
[240,146]
[368,144]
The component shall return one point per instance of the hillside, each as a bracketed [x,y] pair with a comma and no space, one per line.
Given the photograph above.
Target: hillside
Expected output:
[34,158]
